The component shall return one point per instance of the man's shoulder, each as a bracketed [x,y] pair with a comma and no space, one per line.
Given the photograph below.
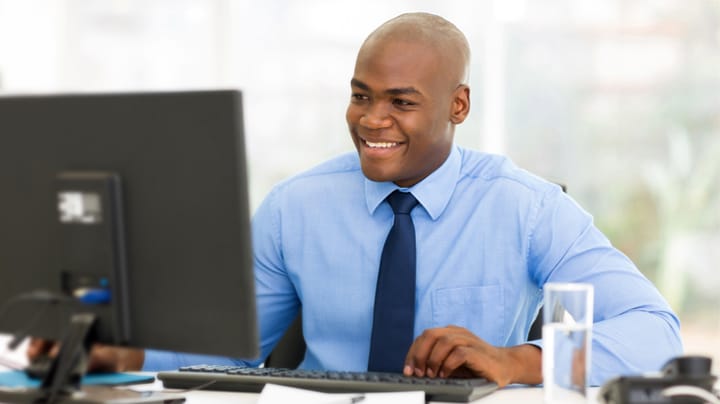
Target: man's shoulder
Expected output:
[341,165]
[316,186]
[494,168]
[335,172]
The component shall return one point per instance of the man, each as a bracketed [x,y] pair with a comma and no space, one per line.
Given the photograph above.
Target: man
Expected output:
[488,236]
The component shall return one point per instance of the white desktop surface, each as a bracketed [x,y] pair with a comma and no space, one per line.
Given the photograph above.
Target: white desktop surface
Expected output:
[512,394]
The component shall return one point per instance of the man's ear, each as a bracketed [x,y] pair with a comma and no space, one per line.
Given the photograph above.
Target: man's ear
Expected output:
[460,107]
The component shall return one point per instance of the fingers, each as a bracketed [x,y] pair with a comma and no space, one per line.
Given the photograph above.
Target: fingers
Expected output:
[435,352]
[416,360]
[38,347]
[107,358]
[457,352]
[416,357]
[459,363]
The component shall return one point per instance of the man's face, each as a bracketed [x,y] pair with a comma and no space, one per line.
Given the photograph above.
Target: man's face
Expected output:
[399,112]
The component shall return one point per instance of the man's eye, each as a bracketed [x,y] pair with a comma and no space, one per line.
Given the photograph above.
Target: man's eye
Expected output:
[359,97]
[403,103]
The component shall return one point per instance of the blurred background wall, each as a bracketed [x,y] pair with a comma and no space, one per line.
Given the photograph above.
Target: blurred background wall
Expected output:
[618,99]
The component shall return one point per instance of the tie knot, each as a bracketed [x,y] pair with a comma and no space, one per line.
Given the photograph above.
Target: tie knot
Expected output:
[402,202]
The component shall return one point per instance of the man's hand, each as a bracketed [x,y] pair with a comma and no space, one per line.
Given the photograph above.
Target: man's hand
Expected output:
[108,358]
[41,347]
[456,352]
[103,358]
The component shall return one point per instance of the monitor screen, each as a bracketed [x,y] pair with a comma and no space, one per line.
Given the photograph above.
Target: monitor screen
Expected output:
[132,207]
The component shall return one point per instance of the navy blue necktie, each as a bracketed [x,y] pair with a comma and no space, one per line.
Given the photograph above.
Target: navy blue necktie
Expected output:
[394,313]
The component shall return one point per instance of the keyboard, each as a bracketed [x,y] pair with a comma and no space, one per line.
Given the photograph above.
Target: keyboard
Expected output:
[233,378]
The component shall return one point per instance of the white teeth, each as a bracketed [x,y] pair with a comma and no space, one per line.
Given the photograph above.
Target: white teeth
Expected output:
[380,145]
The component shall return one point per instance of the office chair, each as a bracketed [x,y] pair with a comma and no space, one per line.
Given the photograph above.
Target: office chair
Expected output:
[290,350]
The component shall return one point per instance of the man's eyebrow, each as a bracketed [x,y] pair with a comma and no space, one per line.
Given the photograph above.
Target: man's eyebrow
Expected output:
[392,91]
[359,84]
[403,91]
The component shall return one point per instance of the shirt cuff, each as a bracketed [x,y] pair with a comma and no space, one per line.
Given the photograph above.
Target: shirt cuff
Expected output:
[156,361]
[536,342]
[159,360]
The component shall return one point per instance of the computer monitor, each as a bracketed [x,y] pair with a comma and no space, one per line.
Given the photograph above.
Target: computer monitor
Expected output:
[132,207]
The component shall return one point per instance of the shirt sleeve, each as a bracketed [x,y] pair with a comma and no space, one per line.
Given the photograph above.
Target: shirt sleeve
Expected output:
[634,329]
[277,298]
[156,361]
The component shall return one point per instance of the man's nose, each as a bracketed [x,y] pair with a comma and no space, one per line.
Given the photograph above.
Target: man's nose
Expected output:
[376,116]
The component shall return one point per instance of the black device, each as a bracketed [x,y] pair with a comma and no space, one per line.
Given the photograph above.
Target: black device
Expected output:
[124,219]
[684,379]
[254,379]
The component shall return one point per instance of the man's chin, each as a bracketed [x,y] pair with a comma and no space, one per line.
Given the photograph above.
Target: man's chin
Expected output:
[376,175]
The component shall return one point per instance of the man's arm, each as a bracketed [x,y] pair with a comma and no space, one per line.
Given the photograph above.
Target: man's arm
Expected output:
[110,358]
[634,329]
[103,358]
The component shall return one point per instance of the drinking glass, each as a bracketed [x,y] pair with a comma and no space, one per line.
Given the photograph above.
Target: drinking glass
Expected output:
[566,336]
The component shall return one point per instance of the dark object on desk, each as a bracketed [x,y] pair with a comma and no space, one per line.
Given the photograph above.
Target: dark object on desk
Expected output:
[684,379]
[114,206]
[233,378]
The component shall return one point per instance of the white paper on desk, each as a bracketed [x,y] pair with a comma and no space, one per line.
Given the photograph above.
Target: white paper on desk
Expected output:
[276,394]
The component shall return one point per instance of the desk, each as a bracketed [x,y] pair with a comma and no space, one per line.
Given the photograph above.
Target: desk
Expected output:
[512,394]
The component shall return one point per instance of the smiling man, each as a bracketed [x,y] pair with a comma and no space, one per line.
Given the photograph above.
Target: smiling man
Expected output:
[488,236]
[479,236]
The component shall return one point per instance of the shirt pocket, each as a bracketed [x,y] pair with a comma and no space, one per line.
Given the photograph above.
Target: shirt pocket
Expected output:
[477,308]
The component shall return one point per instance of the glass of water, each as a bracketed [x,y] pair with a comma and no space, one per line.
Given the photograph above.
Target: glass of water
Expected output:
[566,336]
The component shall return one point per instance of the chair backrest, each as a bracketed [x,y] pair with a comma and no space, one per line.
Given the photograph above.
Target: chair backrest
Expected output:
[536,327]
[290,350]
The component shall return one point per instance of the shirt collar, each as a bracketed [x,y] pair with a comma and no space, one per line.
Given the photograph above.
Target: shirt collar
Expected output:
[433,192]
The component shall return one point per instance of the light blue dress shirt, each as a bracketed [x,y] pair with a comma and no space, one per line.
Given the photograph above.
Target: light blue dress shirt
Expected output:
[489,235]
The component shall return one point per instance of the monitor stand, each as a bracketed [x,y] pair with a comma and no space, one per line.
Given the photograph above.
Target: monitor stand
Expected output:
[61,385]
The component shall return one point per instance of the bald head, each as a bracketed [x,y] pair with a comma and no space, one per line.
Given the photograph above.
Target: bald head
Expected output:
[430,30]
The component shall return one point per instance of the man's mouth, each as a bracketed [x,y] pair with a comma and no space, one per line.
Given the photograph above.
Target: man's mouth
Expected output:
[380,145]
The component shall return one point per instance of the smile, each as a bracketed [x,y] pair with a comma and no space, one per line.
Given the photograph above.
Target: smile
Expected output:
[380,145]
